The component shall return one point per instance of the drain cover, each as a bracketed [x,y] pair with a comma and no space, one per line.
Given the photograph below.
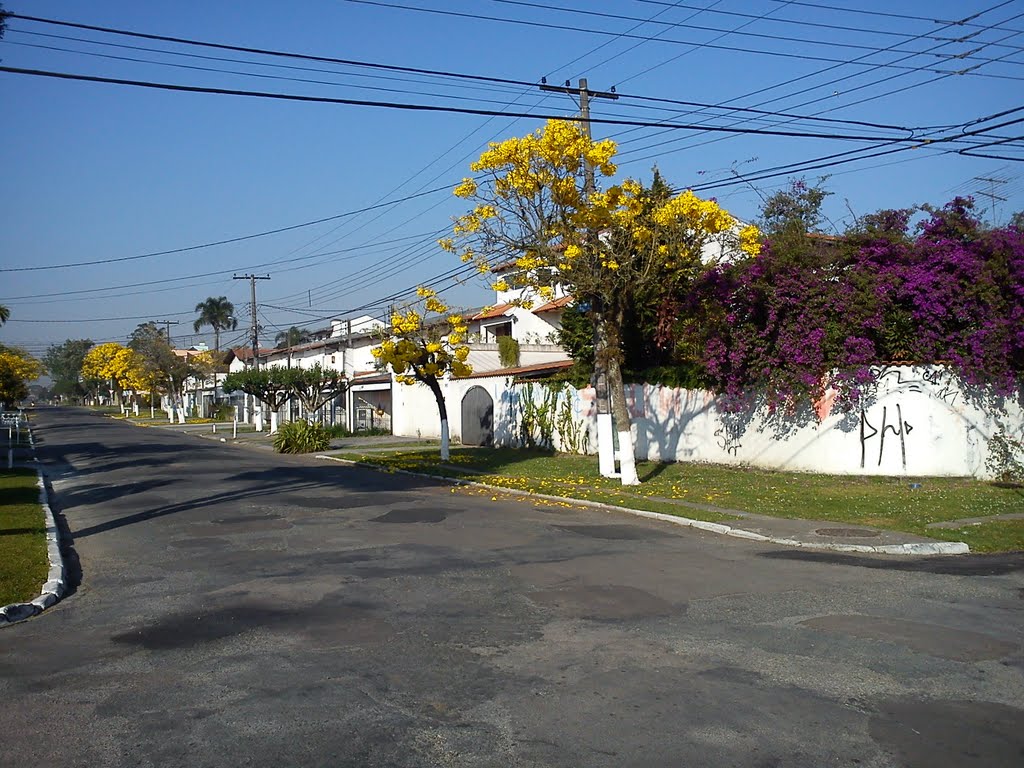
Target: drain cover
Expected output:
[848,533]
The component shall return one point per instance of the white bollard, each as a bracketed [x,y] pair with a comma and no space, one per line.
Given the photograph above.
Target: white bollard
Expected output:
[234,427]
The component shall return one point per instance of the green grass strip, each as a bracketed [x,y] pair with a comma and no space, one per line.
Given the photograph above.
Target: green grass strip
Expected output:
[23,562]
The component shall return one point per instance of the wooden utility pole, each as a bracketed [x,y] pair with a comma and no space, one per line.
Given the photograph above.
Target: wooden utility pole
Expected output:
[255,324]
[167,326]
[605,429]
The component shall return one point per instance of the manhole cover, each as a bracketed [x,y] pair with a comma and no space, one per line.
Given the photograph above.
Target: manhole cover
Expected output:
[848,533]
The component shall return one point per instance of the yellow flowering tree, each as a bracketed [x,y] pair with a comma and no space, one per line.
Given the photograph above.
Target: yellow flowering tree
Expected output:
[17,369]
[539,207]
[424,342]
[119,366]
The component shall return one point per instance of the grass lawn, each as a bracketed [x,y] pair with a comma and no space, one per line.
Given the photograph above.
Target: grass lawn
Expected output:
[23,562]
[709,492]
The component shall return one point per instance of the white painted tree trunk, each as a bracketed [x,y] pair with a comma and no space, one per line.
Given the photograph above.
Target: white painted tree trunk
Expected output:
[627,461]
[273,422]
[605,445]
[257,419]
[444,440]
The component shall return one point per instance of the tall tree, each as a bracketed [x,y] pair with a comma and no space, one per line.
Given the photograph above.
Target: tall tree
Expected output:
[315,386]
[269,385]
[5,314]
[121,367]
[538,206]
[64,362]
[17,369]
[219,314]
[292,337]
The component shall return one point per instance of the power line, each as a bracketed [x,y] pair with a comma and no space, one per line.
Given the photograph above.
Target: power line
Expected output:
[818,6]
[277,262]
[480,77]
[802,77]
[265,51]
[703,28]
[435,108]
[575,28]
[226,241]
[824,25]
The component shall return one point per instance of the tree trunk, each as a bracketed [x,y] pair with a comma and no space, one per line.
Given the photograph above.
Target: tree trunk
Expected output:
[442,411]
[605,438]
[273,422]
[617,392]
[620,414]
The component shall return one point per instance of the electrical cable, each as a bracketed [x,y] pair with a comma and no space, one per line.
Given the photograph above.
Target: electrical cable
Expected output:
[683,25]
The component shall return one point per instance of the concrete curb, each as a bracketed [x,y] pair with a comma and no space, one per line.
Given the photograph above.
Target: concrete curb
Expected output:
[56,579]
[917,548]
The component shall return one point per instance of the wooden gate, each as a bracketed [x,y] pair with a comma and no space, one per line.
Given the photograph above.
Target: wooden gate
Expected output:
[477,417]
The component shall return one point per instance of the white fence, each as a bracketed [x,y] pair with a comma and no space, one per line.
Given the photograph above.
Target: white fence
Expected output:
[918,422]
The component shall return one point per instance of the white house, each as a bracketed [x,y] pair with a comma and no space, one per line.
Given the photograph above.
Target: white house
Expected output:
[344,347]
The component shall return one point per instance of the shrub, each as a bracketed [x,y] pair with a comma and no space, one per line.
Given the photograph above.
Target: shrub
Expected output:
[1005,458]
[301,437]
[508,351]
[224,412]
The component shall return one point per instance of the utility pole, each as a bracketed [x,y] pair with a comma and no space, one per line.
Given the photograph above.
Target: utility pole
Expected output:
[605,428]
[167,326]
[255,325]
[585,95]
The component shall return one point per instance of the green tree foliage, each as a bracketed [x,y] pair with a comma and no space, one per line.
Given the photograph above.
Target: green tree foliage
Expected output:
[293,337]
[269,385]
[5,314]
[64,362]
[218,313]
[315,386]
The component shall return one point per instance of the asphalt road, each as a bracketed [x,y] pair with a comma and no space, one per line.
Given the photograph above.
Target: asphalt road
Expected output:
[236,608]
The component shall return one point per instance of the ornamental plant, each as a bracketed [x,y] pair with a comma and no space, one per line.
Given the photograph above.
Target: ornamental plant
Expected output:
[301,437]
[17,369]
[424,342]
[793,325]
[120,366]
[539,206]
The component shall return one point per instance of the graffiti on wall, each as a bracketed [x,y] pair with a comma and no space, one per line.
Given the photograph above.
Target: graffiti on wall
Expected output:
[892,424]
[938,382]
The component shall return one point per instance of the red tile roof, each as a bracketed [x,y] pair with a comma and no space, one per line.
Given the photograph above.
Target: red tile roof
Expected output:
[521,370]
[496,311]
[551,306]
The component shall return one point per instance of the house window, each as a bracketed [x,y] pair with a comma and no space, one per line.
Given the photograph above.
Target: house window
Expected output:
[500,329]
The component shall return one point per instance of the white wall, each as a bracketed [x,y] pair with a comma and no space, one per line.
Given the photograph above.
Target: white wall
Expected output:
[918,423]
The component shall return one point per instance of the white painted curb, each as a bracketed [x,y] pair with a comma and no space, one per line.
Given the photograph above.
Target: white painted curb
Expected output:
[920,548]
[56,579]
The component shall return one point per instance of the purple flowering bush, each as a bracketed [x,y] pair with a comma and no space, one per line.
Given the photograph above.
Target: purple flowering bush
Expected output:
[818,313]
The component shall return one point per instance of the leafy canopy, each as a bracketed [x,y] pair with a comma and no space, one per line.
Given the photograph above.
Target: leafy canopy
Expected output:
[424,341]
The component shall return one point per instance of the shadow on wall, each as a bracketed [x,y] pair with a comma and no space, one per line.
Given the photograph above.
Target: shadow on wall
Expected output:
[915,420]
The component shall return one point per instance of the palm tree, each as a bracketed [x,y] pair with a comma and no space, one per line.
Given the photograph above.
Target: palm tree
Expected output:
[218,314]
[4,314]
[292,337]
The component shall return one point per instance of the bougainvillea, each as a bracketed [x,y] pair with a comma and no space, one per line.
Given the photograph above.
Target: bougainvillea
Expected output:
[792,328]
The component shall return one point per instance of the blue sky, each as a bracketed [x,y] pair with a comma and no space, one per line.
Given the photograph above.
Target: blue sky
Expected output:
[95,172]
